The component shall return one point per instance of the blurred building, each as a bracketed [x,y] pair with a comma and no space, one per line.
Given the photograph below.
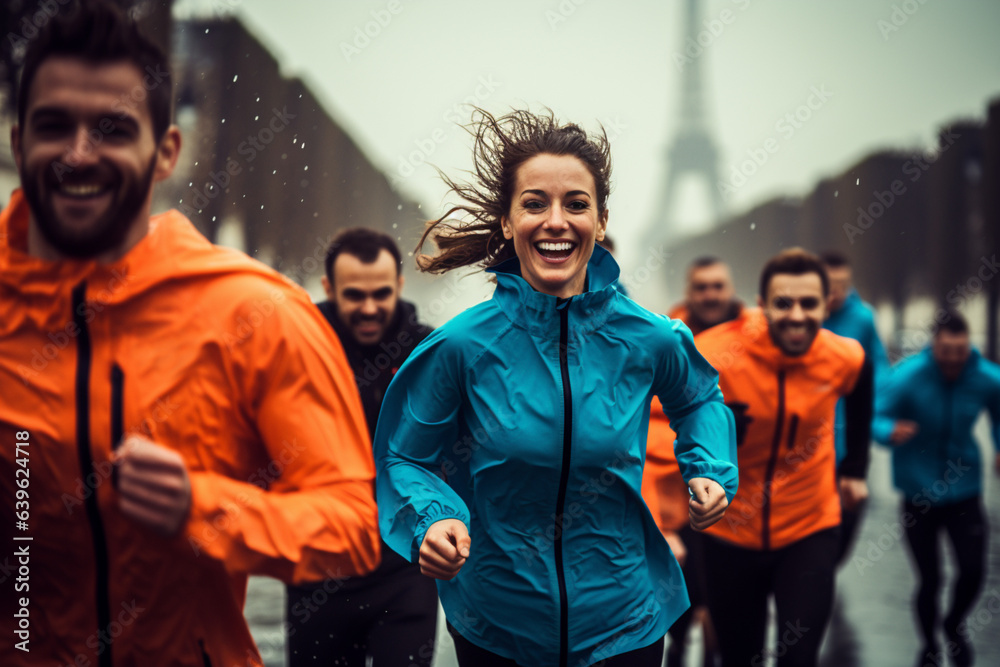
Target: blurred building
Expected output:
[920,228]
[264,167]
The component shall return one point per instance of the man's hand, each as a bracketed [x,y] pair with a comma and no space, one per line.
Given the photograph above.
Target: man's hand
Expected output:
[708,502]
[902,431]
[153,485]
[853,492]
[444,549]
[676,545]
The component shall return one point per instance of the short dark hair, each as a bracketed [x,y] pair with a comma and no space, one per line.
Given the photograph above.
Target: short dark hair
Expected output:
[363,243]
[99,33]
[794,261]
[834,259]
[952,322]
[703,261]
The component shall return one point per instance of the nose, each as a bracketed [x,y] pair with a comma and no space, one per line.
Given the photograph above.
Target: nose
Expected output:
[81,148]
[797,313]
[556,221]
[369,307]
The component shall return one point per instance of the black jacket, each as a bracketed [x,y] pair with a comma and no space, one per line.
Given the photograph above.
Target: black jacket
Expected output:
[375,365]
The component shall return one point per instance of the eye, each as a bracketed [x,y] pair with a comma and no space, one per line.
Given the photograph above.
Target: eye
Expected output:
[533,205]
[578,205]
[353,295]
[809,303]
[783,303]
[382,294]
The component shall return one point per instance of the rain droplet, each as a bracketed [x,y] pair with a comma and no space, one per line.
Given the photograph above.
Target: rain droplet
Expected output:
[399,207]
[753,226]
[257,100]
[223,120]
[235,76]
[206,31]
[836,193]
[213,218]
[256,117]
[395,225]
[305,168]
[262,207]
[857,182]
[274,172]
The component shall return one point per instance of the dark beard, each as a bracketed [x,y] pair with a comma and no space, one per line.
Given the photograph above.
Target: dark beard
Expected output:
[109,232]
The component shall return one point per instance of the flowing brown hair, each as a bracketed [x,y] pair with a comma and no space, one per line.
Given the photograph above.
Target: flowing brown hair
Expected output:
[500,146]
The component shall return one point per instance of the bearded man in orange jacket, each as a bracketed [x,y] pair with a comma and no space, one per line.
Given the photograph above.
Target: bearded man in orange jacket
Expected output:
[174,416]
[782,374]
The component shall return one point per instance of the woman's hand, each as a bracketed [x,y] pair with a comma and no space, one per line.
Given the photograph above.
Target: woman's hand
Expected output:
[708,502]
[444,549]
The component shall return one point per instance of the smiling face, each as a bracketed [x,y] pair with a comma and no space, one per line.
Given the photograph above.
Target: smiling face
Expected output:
[795,309]
[951,352]
[87,160]
[554,223]
[710,293]
[365,294]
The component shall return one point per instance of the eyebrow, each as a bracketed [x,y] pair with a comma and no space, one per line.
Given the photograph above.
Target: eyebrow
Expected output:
[542,193]
[120,118]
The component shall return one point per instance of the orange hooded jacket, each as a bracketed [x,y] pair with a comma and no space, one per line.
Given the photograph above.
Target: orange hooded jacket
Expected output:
[214,355]
[787,462]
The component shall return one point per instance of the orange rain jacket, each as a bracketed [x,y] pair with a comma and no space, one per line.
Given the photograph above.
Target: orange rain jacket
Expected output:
[202,350]
[787,462]
[663,488]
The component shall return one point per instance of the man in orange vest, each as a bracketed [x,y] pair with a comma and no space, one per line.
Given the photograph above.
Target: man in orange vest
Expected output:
[709,300]
[782,375]
[174,416]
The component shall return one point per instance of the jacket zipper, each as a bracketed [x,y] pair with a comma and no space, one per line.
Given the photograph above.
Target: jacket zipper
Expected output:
[204,653]
[117,413]
[87,467]
[563,482]
[793,426]
[765,533]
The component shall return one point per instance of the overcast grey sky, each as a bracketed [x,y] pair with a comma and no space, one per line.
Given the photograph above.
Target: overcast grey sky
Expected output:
[395,73]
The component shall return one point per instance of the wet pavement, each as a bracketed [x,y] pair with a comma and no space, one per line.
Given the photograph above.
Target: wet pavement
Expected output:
[873,623]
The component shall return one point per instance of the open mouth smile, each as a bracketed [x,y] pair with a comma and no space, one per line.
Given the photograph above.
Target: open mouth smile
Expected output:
[555,252]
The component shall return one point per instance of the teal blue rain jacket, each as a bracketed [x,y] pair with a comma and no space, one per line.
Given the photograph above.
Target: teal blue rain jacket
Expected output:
[856,319]
[941,464]
[526,417]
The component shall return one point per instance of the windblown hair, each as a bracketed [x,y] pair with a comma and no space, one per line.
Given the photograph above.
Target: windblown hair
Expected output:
[98,33]
[500,146]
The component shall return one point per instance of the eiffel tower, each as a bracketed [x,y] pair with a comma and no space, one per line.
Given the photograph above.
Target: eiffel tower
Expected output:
[693,151]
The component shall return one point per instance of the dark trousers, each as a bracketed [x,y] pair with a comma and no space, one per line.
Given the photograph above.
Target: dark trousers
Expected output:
[801,578]
[965,527]
[389,615]
[470,655]
[694,577]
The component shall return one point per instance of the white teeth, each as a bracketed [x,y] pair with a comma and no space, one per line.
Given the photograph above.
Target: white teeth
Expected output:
[551,246]
[80,190]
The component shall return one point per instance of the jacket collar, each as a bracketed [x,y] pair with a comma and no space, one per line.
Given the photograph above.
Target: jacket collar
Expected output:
[759,344]
[539,313]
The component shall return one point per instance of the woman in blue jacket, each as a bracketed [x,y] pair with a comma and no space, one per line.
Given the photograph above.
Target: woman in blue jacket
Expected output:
[510,444]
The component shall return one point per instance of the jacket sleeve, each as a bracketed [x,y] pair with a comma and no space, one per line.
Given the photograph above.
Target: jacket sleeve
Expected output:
[315,519]
[688,388]
[415,444]
[888,400]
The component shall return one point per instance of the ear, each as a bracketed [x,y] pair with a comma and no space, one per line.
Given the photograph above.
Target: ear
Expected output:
[167,153]
[508,233]
[402,280]
[602,225]
[327,287]
[15,146]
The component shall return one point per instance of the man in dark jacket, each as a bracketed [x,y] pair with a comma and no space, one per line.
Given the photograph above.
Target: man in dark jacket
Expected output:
[391,614]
